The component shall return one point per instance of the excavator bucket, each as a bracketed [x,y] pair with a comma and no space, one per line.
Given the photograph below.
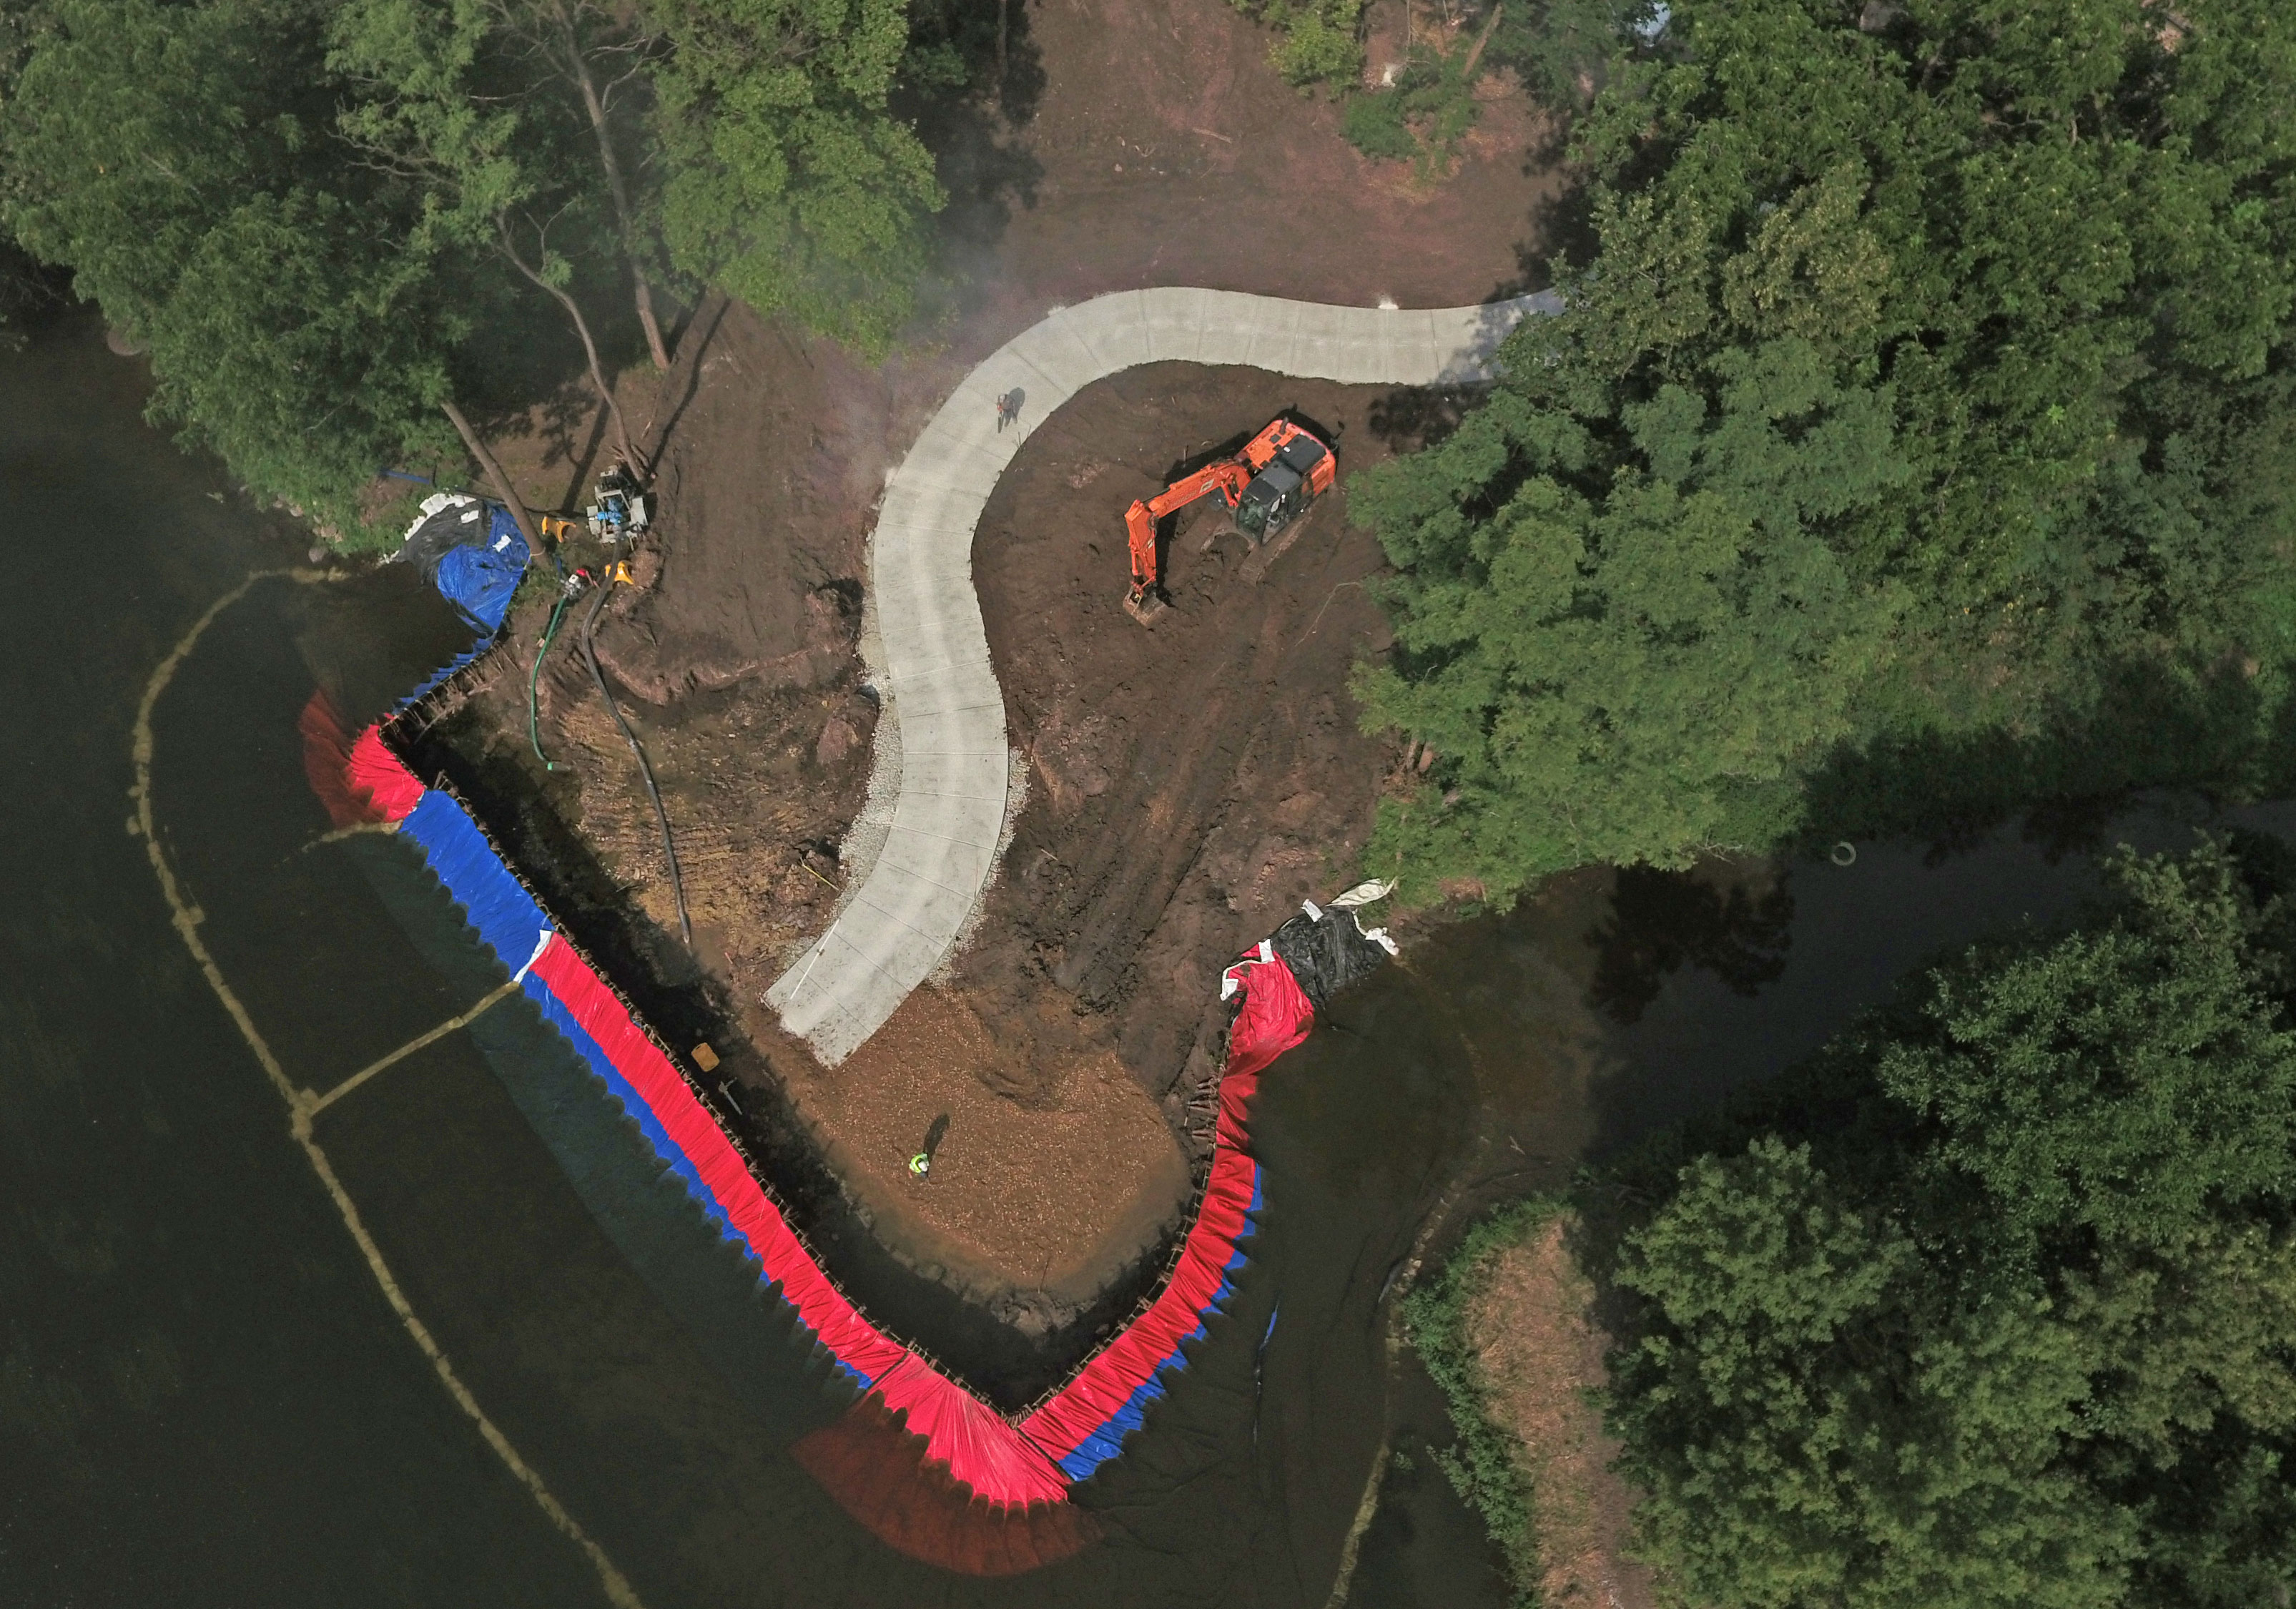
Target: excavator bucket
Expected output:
[1145,606]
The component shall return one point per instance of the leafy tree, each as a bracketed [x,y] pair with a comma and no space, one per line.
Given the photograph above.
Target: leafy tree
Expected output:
[1622,660]
[2123,1080]
[1795,1456]
[1374,125]
[483,174]
[2003,296]
[1995,1302]
[599,52]
[1425,113]
[1565,48]
[789,182]
[177,158]
[1316,40]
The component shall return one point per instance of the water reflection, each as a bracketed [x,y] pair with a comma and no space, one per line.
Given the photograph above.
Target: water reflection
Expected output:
[672,1404]
[1734,920]
[631,1357]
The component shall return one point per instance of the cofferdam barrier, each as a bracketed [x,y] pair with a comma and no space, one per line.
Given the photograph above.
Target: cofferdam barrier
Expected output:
[1011,1462]
[942,761]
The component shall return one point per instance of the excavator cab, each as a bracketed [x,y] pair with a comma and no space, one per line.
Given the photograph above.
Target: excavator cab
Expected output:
[1286,484]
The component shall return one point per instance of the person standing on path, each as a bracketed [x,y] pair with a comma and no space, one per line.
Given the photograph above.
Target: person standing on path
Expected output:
[1008,408]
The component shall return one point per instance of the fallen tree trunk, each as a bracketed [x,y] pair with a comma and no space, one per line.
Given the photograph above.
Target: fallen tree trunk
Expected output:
[536,548]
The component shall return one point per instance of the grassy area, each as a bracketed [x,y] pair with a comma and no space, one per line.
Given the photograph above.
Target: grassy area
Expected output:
[1485,1466]
[1506,1331]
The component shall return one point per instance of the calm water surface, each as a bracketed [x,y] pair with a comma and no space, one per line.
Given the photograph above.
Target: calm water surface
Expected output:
[204,1398]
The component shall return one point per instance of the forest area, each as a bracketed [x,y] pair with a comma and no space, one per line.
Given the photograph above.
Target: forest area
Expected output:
[1914,453]
[335,228]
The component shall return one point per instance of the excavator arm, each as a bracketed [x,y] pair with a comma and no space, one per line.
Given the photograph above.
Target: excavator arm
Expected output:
[1227,477]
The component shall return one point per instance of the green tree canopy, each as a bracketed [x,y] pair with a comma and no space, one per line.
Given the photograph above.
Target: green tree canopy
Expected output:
[180,160]
[305,211]
[789,182]
[1626,674]
[1995,1302]
[1986,307]
[451,108]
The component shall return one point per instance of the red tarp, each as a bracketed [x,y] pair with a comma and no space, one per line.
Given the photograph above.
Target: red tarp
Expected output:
[691,1128]
[376,776]
[1275,1016]
[997,1461]
[980,1448]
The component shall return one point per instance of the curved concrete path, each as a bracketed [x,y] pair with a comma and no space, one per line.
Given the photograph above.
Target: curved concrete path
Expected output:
[922,854]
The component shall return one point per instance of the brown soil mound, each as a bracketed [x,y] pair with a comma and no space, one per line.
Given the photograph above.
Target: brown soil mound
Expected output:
[1540,1357]
[1189,783]
[1031,1207]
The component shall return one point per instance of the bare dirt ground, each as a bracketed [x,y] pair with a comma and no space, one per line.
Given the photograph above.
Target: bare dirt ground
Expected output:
[1540,1357]
[1188,783]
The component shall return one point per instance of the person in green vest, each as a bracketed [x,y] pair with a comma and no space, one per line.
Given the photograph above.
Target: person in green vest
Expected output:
[921,1164]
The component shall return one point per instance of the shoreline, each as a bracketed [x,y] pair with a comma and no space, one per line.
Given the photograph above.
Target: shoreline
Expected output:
[1015,1459]
[1020,1085]
[1092,969]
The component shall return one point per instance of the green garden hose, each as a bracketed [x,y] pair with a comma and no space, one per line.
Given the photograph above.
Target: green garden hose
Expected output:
[534,676]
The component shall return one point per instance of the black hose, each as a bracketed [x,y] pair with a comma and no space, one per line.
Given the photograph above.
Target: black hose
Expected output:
[669,850]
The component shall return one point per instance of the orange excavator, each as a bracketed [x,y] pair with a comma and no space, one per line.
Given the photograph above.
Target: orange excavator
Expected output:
[1279,473]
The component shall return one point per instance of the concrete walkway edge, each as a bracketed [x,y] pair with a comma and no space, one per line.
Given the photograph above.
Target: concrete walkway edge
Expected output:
[922,858]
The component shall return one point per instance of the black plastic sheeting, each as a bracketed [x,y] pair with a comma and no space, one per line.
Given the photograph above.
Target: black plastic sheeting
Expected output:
[453,525]
[1327,952]
[473,552]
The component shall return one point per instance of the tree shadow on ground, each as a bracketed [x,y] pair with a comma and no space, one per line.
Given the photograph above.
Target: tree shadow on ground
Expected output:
[521,369]
[1558,229]
[1415,417]
[685,378]
[969,128]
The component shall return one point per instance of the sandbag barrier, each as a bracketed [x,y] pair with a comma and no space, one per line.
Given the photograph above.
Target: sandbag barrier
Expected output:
[1035,1458]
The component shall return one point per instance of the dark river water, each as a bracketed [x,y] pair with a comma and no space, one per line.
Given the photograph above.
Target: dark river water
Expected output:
[205,1398]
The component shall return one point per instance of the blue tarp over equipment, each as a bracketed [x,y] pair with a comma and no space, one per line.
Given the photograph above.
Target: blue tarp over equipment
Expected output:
[479,580]
[473,554]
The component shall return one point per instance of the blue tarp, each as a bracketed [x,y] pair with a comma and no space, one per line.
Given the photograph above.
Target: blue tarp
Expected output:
[479,580]
[504,913]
